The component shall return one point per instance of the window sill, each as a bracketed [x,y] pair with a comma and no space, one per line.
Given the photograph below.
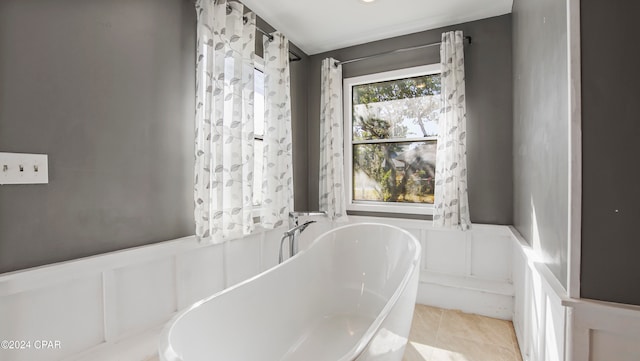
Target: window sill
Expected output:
[395,208]
[400,216]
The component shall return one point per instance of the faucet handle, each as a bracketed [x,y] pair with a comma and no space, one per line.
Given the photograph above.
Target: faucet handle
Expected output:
[301,228]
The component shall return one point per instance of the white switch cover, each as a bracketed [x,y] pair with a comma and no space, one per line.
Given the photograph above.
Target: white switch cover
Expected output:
[22,168]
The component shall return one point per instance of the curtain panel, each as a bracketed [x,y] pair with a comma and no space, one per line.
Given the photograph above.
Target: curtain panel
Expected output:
[224,121]
[451,201]
[332,198]
[277,185]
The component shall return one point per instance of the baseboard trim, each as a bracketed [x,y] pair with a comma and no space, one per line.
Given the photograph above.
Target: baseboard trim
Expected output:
[467,283]
[143,346]
[481,297]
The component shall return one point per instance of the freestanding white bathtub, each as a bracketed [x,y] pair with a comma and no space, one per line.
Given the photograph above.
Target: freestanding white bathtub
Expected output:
[349,296]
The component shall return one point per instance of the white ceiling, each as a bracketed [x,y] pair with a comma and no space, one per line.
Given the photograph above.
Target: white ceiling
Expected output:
[323,25]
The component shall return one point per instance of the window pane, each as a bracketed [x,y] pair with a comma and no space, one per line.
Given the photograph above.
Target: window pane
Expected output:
[394,172]
[258,116]
[257,172]
[258,103]
[403,108]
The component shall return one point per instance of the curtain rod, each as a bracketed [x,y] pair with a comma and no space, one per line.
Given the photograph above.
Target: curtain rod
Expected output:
[296,57]
[468,38]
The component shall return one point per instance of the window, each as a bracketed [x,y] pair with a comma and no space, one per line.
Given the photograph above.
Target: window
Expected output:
[258,129]
[258,124]
[391,124]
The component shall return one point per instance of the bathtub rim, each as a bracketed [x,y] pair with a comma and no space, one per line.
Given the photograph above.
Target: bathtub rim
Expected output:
[166,352]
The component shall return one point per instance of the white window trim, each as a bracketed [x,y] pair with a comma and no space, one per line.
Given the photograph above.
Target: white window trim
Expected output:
[258,210]
[348,83]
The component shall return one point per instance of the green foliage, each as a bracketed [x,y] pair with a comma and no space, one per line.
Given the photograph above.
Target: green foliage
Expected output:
[397,89]
[374,128]
[387,186]
[397,179]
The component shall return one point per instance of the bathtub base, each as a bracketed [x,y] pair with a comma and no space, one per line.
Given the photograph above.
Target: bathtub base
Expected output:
[341,331]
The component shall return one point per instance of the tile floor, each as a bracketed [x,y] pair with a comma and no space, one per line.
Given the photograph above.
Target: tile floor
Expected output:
[448,335]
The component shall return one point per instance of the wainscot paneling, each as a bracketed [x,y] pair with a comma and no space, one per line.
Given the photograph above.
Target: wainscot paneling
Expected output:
[69,311]
[539,316]
[113,306]
[199,274]
[603,331]
[552,327]
[142,295]
[465,270]
[120,301]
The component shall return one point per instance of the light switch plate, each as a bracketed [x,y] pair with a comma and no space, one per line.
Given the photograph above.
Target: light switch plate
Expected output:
[22,168]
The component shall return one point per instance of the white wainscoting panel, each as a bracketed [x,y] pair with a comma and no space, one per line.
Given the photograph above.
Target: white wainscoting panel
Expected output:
[465,270]
[607,345]
[243,258]
[555,328]
[145,295]
[552,327]
[603,331]
[469,298]
[540,317]
[113,306]
[69,312]
[491,255]
[199,274]
[446,252]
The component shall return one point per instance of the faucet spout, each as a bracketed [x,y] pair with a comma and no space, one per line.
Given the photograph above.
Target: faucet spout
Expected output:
[300,228]
[292,234]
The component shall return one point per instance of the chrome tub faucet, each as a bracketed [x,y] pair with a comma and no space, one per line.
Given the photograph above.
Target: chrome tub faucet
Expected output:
[292,234]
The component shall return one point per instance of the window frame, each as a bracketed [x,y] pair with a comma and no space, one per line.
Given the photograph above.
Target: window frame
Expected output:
[258,209]
[348,84]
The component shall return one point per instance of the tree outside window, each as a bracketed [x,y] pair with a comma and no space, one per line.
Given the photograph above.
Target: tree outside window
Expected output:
[393,139]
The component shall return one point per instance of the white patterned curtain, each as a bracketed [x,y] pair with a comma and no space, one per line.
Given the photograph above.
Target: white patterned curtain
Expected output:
[224,121]
[277,185]
[451,201]
[331,188]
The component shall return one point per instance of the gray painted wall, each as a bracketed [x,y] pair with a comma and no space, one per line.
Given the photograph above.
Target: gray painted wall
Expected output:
[489,106]
[540,129]
[610,131]
[106,88]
